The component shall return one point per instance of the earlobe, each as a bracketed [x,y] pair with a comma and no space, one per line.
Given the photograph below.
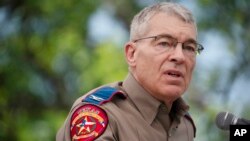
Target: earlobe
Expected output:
[130,53]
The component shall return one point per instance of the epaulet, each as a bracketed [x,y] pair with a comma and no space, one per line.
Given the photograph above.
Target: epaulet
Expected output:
[188,116]
[103,95]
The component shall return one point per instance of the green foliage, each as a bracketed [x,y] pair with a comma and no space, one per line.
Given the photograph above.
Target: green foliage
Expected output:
[231,18]
[47,60]
[40,62]
[107,65]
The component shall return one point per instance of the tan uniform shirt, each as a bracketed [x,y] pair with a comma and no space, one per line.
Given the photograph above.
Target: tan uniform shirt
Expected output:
[139,117]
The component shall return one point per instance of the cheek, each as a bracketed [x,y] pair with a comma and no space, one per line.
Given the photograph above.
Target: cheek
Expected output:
[146,66]
[190,68]
[144,58]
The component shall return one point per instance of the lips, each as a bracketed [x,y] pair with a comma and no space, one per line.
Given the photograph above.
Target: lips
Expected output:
[174,73]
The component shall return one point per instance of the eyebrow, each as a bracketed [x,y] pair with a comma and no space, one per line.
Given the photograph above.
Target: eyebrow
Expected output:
[168,35]
[191,41]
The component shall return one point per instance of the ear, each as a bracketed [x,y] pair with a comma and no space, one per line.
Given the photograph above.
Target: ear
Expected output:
[130,49]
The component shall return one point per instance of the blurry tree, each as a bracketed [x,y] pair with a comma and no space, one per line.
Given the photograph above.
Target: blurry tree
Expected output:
[44,57]
[47,59]
[231,18]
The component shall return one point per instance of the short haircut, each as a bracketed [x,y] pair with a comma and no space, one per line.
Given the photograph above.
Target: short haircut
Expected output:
[140,20]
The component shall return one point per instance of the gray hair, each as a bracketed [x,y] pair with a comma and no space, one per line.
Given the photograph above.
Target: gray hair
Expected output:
[140,20]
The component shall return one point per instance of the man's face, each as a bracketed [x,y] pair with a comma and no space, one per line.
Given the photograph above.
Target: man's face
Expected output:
[165,75]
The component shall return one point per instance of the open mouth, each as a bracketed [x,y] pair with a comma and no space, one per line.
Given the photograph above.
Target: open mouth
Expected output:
[174,74]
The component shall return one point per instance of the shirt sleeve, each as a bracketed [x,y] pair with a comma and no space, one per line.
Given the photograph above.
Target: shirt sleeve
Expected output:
[107,135]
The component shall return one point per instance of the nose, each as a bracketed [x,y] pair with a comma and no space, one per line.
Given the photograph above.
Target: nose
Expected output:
[177,55]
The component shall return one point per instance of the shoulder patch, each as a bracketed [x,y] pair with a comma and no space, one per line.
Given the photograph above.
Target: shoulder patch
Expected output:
[187,116]
[87,123]
[103,95]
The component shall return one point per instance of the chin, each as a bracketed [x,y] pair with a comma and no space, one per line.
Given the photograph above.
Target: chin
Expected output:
[176,92]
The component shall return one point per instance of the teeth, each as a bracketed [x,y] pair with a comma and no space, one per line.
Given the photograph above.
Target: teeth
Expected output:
[173,74]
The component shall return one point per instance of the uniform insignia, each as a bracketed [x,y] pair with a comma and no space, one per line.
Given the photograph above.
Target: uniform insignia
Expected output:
[87,123]
[103,95]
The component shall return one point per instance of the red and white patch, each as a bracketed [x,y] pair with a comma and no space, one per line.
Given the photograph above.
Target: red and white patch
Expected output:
[87,123]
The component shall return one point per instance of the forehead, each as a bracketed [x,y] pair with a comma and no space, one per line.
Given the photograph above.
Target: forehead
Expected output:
[162,23]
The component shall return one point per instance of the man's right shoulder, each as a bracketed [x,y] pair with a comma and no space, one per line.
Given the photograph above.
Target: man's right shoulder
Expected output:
[103,95]
[100,96]
[88,119]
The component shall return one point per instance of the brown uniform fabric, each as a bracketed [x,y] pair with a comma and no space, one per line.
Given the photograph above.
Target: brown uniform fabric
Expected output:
[139,117]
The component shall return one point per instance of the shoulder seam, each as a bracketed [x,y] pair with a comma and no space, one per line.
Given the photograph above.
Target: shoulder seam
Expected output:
[188,117]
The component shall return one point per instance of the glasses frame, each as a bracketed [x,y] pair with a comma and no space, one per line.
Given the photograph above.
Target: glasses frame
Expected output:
[199,48]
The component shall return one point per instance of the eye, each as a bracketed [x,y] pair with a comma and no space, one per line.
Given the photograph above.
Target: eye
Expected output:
[191,47]
[164,44]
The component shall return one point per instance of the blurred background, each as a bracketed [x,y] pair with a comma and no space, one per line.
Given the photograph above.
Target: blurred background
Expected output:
[53,51]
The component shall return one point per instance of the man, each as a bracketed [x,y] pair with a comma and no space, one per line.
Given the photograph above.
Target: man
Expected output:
[147,105]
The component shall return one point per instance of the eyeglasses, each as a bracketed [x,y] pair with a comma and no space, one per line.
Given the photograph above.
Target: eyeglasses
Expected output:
[164,43]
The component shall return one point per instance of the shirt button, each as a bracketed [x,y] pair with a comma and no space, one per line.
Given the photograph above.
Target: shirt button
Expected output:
[169,134]
[164,108]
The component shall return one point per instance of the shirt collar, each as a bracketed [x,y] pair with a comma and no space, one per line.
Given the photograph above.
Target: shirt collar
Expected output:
[148,105]
[144,102]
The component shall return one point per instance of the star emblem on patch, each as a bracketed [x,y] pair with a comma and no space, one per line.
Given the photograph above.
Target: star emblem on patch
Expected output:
[87,123]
